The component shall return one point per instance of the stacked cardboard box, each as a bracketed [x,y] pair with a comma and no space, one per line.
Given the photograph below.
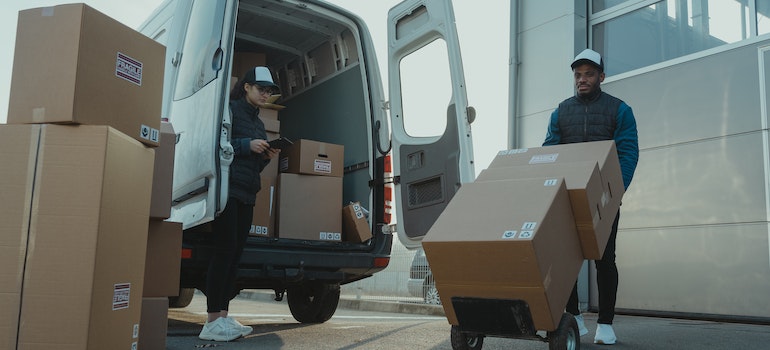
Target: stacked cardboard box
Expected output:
[263,222]
[81,192]
[595,196]
[310,191]
[522,230]
[85,192]
[510,239]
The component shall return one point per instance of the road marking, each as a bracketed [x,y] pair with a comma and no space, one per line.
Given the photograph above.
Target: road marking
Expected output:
[248,315]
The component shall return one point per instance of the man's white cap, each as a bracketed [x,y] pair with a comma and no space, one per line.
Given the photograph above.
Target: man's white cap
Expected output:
[589,56]
[260,76]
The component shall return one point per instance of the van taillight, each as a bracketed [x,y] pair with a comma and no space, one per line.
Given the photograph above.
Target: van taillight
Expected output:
[381,262]
[186,253]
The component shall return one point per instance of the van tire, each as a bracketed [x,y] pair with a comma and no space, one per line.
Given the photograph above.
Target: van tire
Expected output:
[183,300]
[313,302]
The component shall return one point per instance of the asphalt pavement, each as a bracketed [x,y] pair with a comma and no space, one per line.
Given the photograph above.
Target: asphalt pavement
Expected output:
[634,332]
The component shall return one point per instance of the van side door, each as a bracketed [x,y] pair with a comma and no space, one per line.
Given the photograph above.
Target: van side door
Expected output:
[198,108]
[430,117]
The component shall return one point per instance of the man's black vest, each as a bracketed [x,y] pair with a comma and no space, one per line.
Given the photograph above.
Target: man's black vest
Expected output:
[588,120]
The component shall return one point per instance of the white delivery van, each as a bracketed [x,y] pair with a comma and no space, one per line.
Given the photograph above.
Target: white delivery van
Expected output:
[325,63]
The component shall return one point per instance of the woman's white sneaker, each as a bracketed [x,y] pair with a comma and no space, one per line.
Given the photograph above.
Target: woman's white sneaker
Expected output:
[244,330]
[219,330]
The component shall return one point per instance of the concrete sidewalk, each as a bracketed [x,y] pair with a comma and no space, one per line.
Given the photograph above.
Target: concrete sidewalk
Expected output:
[634,332]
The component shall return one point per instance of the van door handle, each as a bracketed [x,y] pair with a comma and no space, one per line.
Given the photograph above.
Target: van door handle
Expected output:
[175,60]
[216,61]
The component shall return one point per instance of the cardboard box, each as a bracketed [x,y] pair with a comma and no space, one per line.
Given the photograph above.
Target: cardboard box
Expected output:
[243,61]
[516,235]
[84,267]
[154,324]
[164,259]
[585,188]
[263,222]
[602,152]
[163,173]
[313,158]
[17,145]
[73,64]
[271,125]
[268,113]
[309,207]
[355,227]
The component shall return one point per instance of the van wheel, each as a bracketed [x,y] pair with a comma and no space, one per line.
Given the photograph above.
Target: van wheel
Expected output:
[185,298]
[313,302]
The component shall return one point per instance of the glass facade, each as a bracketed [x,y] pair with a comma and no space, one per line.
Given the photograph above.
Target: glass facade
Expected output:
[673,28]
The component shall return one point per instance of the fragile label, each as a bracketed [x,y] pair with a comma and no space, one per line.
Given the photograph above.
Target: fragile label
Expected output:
[508,152]
[330,236]
[543,158]
[120,296]
[322,166]
[149,133]
[129,69]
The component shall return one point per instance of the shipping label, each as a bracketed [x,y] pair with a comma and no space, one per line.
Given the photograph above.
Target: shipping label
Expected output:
[121,294]
[330,236]
[551,182]
[509,152]
[149,133]
[128,69]
[543,158]
[322,166]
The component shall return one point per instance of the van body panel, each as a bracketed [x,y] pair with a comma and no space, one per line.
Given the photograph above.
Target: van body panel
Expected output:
[324,61]
[429,170]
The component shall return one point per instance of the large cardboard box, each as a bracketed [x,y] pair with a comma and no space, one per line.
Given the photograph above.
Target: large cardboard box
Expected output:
[18,145]
[355,227]
[602,152]
[309,207]
[515,239]
[263,221]
[163,173]
[586,192]
[84,265]
[313,158]
[73,64]
[154,324]
[164,259]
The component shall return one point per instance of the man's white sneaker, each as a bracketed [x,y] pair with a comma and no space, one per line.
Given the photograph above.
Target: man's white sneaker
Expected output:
[581,325]
[219,330]
[244,330]
[605,335]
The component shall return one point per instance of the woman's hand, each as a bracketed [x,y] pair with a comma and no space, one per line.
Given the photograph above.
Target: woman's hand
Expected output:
[271,153]
[259,146]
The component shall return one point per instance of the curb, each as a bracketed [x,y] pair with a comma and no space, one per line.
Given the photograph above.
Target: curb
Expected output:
[353,303]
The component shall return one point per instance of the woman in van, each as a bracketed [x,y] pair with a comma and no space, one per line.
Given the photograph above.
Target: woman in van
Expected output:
[231,227]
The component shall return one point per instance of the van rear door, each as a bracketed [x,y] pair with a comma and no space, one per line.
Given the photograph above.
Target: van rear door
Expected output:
[430,118]
[199,108]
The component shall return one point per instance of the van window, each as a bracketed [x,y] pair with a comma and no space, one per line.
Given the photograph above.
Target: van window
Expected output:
[201,55]
[426,90]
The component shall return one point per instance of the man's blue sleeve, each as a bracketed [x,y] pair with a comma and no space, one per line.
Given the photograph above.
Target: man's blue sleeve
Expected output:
[627,142]
[553,136]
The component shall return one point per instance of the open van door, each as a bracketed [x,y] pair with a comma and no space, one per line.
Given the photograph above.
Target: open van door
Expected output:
[200,36]
[430,118]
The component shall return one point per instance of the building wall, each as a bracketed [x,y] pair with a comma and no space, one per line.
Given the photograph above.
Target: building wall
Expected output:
[694,235]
